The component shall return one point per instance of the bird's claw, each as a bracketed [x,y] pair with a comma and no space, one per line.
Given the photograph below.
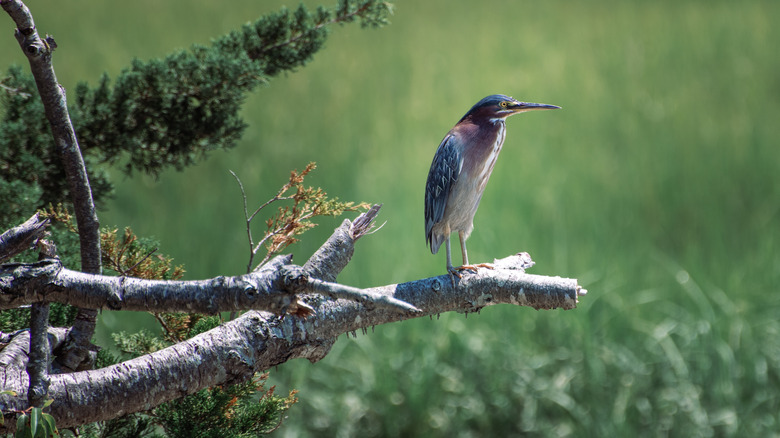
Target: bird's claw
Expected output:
[453,272]
[456,271]
[476,267]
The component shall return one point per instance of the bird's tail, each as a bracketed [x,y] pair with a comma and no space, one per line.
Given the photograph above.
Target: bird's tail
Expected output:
[434,241]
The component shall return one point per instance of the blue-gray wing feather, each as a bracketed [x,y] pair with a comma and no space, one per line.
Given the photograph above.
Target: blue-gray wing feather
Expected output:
[444,172]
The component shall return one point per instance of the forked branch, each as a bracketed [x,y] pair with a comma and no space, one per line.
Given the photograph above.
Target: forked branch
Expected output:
[257,341]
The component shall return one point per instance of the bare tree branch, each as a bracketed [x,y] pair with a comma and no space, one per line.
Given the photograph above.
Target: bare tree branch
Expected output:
[39,53]
[258,341]
[38,363]
[272,288]
[21,238]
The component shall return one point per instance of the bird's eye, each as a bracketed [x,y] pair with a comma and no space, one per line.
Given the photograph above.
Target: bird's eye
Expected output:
[503,104]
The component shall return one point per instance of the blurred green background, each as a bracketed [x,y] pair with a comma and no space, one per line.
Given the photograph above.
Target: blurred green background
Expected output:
[657,186]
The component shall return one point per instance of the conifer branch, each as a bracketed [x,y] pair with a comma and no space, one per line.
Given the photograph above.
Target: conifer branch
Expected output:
[169,112]
[373,12]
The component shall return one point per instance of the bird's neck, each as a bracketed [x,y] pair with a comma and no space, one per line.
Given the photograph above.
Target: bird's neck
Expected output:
[486,127]
[486,135]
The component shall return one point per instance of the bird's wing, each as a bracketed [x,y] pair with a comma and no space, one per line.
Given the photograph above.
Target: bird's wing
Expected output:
[444,172]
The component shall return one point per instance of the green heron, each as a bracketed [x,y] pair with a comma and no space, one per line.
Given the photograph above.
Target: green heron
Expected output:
[461,169]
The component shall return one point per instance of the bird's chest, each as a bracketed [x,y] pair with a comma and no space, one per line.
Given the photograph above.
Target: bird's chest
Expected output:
[478,164]
[484,159]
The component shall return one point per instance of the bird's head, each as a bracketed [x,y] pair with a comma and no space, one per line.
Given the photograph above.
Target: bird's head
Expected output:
[499,106]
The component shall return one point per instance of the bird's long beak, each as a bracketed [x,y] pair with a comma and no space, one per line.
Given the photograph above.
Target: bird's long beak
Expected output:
[521,107]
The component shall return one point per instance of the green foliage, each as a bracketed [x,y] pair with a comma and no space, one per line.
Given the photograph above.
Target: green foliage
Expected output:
[31,174]
[286,40]
[105,358]
[166,112]
[203,324]
[233,411]
[17,196]
[60,315]
[137,344]
[36,424]
[160,113]
[129,426]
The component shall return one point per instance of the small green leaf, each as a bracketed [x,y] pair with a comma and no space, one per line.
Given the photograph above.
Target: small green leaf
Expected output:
[22,427]
[49,423]
[35,415]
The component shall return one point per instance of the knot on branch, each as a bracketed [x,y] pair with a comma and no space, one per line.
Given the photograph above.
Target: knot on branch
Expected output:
[294,278]
[115,297]
[50,42]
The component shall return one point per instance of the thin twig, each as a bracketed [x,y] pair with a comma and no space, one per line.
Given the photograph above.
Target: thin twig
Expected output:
[368,299]
[248,222]
[13,91]
[253,249]
[166,328]
[149,254]
[278,197]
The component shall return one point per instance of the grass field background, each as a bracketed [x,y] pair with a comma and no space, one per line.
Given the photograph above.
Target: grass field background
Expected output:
[657,186]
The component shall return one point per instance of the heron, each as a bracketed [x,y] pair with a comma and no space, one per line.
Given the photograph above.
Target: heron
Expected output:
[460,171]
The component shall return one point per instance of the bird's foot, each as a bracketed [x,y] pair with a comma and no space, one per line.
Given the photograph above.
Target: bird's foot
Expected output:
[456,271]
[475,268]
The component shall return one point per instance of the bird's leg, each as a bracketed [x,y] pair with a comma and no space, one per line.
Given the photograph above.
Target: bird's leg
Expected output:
[450,269]
[463,251]
[466,265]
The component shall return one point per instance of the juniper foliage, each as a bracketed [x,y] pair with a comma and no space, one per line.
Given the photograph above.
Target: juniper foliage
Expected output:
[159,113]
